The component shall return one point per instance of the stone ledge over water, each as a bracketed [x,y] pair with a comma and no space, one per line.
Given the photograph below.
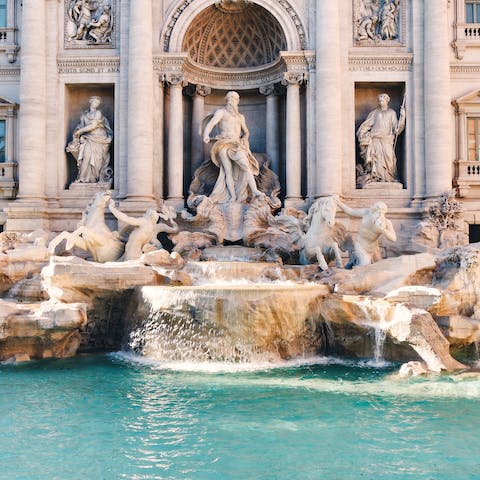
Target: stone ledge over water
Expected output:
[40,330]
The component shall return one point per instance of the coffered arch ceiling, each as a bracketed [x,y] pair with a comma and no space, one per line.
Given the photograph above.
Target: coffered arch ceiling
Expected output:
[245,37]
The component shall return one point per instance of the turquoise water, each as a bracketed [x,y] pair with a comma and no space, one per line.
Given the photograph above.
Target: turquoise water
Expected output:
[108,417]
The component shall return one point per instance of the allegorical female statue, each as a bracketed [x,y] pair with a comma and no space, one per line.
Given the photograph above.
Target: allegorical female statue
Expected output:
[377,137]
[91,145]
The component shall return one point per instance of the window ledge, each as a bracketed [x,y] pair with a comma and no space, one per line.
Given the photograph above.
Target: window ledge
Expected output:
[7,43]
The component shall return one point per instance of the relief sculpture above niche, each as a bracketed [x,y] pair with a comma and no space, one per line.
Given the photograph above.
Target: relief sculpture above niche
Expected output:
[89,23]
[378,22]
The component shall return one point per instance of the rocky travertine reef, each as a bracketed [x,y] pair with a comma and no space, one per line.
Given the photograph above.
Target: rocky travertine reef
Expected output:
[410,308]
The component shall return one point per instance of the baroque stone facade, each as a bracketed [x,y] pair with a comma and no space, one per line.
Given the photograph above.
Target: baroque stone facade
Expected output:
[308,73]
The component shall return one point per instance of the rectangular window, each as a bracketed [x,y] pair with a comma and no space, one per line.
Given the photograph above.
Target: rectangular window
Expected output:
[3,13]
[473,139]
[2,141]
[472,11]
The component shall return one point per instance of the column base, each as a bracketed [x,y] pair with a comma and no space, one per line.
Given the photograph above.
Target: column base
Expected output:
[137,205]
[295,202]
[176,202]
[27,215]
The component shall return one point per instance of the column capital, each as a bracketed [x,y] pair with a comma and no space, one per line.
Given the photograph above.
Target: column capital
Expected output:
[198,90]
[269,90]
[294,78]
[174,79]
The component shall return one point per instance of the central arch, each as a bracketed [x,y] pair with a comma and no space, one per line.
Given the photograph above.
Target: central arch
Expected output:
[184,13]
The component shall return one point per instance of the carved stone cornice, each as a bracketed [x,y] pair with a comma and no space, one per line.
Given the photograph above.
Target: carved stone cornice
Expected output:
[10,72]
[398,63]
[236,79]
[465,69]
[297,61]
[88,65]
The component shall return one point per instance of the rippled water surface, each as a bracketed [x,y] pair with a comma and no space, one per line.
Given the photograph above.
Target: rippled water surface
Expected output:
[111,417]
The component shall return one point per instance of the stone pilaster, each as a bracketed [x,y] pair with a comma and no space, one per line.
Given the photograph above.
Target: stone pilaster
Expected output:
[33,103]
[328,100]
[272,128]
[175,141]
[293,80]
[438,135]
[198,113]
[140,103]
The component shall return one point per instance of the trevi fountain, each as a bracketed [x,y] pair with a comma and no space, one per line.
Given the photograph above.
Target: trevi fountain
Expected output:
[240,314]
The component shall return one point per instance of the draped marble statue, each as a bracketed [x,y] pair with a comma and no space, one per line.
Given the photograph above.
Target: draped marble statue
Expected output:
[377,138]
[231,154]
[90,146]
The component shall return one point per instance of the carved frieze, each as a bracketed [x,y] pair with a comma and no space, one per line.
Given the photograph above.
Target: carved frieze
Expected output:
[88,65]
[379,22]
[89,23]
[394,63]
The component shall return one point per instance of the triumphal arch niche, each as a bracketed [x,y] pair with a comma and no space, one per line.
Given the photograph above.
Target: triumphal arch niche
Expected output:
[257,48]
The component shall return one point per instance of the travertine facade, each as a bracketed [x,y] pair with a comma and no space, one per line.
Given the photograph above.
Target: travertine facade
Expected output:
[308,73]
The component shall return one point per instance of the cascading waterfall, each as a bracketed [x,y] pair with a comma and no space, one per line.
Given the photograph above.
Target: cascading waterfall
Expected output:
[380,315]
[228,322]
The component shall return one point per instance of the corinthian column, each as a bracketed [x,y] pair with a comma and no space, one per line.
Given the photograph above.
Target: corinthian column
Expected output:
[272,130]
[438,135]
[140,101]
[175,141]
[294,139]
[328,100]
[33,109]
[198,112]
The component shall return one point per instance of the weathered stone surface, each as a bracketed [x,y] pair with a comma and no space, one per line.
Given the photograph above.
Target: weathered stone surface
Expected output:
[40,330]
[381,277]
[71,279]
[422,333]
[22,262]
[413,369]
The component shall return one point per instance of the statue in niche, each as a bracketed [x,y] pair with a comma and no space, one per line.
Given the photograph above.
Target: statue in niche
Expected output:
[90,21]
[225,187]
[231,154]
[389,25]
[373,225]
[90,146]
[377,138]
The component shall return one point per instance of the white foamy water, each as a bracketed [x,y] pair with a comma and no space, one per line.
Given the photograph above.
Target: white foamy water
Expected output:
[434,386]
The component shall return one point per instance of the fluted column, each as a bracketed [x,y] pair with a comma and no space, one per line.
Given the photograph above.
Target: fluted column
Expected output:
[272,130]
[33,109]
[140,104]
[438,135]
[175,141]
[198,113]
[294,139]
[328,100]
